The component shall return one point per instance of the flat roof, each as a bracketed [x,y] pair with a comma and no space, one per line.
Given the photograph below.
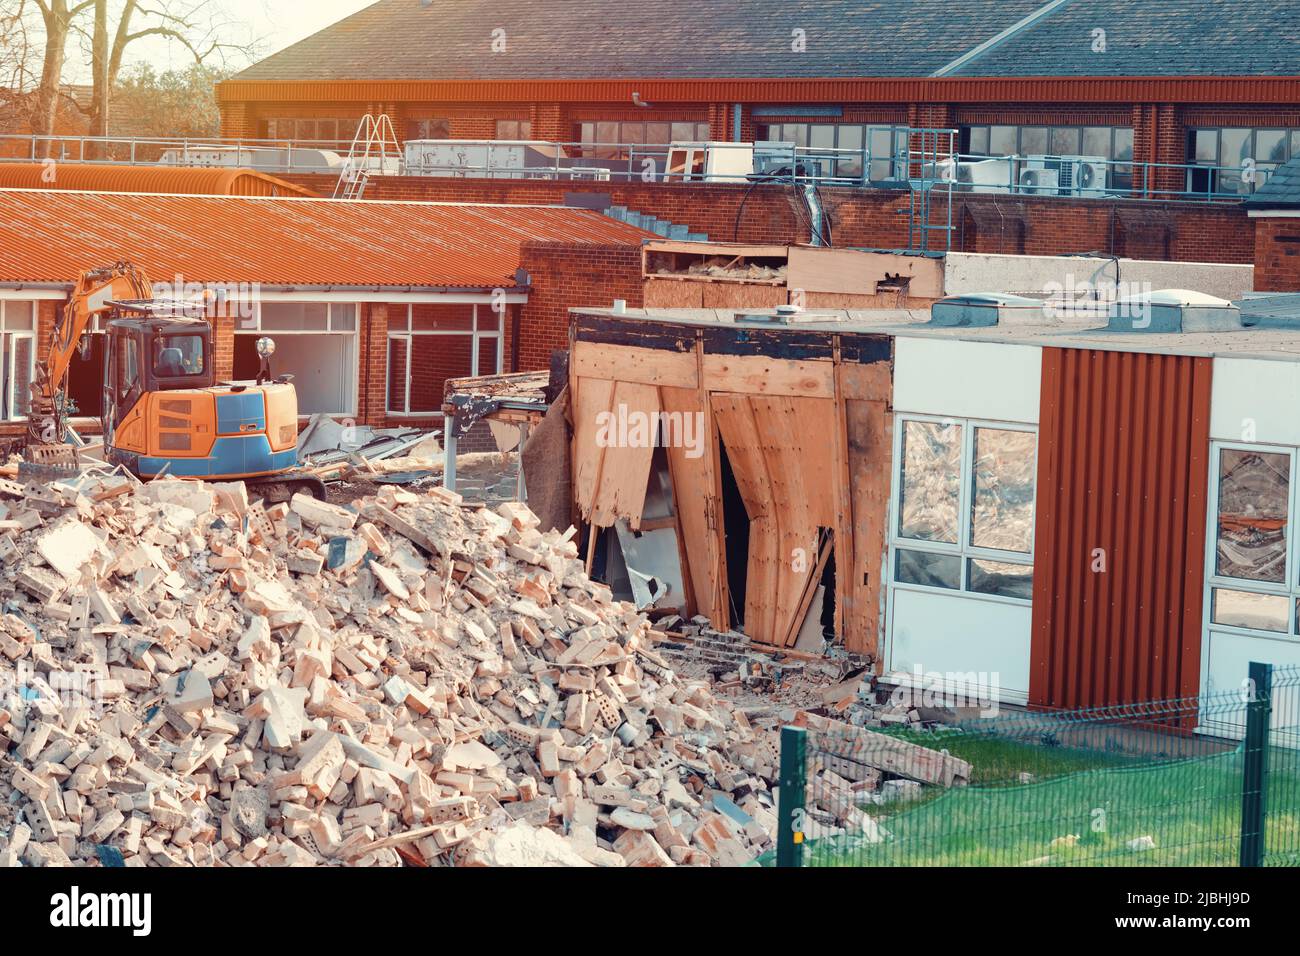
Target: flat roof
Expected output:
[53,236]
[1269,343]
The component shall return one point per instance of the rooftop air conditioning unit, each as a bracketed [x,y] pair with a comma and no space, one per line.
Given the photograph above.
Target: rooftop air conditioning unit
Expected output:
[1075,175]
[985,176]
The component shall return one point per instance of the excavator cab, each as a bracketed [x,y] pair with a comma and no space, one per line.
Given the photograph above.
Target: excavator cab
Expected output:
[164,412]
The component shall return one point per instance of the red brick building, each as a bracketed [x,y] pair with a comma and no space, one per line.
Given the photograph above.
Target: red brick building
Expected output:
[374,304]
[1148,89]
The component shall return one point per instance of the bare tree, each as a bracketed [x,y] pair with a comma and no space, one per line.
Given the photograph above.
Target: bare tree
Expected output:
[58,17]
[199,26]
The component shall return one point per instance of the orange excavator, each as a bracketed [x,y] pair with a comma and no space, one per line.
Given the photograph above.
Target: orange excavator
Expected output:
[164,412]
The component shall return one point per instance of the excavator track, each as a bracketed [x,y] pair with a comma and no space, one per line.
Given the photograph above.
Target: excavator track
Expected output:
[275,489]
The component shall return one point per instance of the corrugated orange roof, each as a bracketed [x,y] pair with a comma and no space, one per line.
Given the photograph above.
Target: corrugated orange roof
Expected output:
[54,236]
[182,180]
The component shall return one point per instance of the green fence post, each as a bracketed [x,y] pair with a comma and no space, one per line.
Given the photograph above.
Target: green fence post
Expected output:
[1254,781]
[790,812]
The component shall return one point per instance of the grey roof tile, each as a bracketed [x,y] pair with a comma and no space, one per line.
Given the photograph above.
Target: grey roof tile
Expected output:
[1282,191]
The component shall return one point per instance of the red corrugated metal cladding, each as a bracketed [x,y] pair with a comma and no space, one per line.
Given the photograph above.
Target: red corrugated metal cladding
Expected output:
[1122,479]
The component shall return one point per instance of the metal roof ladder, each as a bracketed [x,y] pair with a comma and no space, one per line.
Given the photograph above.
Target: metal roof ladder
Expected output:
[374,149]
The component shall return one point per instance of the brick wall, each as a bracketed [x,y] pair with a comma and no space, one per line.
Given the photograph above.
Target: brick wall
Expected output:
[1277,254]
[565,276]
[878,218]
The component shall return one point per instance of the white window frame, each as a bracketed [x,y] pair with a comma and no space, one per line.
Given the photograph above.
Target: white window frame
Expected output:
[1213,580]
[962,549]
[253,326]
[407,335]
[10,338]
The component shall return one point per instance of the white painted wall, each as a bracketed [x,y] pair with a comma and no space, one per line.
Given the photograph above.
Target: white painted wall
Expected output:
[937,633]
[1225,664]
[1030,275]
[1255,394]
[946,376]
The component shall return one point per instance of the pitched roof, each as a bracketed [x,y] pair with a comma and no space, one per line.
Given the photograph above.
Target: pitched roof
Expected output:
[1282,191]
[581,39]
[106,177]
[574,39]
[54,236]
[1167,38]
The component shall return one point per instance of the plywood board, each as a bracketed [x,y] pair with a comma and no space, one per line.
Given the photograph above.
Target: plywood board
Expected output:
[693,497]
[870,457]
[625,468]
[626,363]
[852,271]
[760,375]
[591,396]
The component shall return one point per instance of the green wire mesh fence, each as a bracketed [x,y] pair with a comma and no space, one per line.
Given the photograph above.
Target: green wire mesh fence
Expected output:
[1203,781]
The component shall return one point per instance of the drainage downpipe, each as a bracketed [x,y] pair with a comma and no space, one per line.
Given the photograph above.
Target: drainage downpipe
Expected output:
[815,213]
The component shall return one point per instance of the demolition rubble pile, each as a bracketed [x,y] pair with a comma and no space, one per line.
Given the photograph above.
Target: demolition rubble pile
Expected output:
[188,678]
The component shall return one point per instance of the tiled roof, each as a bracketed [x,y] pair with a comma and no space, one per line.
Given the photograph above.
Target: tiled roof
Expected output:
[577,39]
[54,236]
[1160,38]
[186,180]
[1282,191]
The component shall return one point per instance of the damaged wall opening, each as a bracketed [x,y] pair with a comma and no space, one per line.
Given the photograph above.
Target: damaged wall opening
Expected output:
[735,524]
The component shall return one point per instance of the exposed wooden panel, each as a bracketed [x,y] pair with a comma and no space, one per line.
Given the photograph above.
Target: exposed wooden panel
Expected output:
[867,383]
[693,496]
[591,396]
[744,445]
[671,294]
[759,375]
[626,363]
[625,468]
[1120,527]
[870,463]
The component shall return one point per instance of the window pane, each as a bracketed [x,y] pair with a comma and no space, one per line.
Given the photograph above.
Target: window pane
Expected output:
[487,318]
[1065,141]
[1264,612]
[442,318]
[1270,146]
[1002,505]
[930,483]
[1295,142]
[397,373]
[489,353]
[658,134]
[821,136]
[507,129]
[1236,147]
[1124,144]
[1001,578]
[850,137]
[1033,140]
[927,568]
[343,317]
[631,132]
[1254,488]
[19,316]
[434,359]
[295,316]
[1096,141]
[1002,140]
[175,356]
[23,351]
[685,132]
[1206,143]
[979,140]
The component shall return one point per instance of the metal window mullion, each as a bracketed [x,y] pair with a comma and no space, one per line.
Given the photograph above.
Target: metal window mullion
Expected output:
[966,500]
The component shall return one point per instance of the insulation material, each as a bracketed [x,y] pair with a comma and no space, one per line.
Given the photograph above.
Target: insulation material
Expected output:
[616,438]
[548,473]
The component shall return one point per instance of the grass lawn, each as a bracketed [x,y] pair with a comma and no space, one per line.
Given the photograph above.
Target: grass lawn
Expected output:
[1082,809]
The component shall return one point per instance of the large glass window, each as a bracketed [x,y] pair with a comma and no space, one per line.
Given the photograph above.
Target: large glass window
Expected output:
[316,343]
[615,139]
[177,356]
[965,512]
[839,147]
[17,358]
[430,343]
[1112,144]
[1238,159]
[1254,578]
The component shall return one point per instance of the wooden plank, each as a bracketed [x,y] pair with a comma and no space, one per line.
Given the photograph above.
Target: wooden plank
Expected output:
[759,375]
[628,363]
[871,382]
[745,451]
[692,488]
[625,468]
[870,442]
[591,396]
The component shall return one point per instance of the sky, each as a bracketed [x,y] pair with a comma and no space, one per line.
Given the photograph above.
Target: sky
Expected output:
[275,23]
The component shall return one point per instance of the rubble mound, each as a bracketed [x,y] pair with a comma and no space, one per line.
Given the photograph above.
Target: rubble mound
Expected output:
[188,678]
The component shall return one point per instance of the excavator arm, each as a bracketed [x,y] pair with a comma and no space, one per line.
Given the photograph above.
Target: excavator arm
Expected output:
[94,292]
